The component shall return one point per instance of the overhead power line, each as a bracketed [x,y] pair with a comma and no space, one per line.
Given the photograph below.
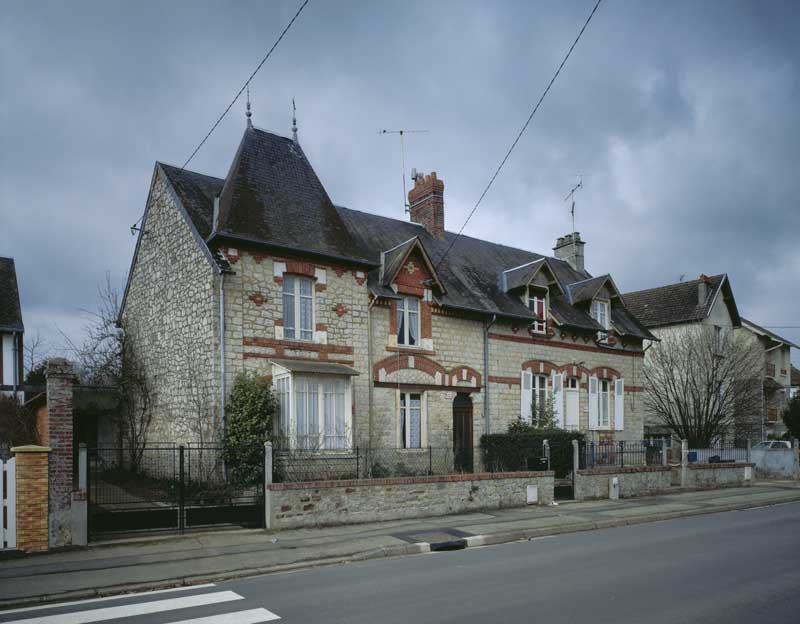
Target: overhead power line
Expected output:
[247,82]
[520,133]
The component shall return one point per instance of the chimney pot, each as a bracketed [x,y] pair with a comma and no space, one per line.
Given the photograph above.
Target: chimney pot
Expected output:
[570,249]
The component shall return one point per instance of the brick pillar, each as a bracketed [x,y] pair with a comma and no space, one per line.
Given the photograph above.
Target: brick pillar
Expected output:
[60,379]
[32,497]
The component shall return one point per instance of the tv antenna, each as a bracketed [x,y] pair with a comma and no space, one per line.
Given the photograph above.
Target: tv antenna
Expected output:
[402,133]
[571,195]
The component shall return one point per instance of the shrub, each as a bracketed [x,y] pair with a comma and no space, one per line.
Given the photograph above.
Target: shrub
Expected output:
[521,449]
[17,423]
[251,408]
[791,416]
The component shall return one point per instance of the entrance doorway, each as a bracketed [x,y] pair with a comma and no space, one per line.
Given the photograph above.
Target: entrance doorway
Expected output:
[462,433]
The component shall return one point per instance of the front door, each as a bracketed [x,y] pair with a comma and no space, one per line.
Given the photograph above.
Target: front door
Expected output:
[571,394]
[462,433]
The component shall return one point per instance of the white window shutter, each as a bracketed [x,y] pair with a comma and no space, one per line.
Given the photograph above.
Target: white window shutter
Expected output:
[525,395]
[558,399]
[619,404]
[594,411]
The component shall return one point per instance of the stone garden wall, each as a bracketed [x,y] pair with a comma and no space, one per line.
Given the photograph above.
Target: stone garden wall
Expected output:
[709,476]
[321,503]
[638,481]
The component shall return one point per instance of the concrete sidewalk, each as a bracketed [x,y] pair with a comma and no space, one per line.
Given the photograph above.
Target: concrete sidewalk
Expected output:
[155,562]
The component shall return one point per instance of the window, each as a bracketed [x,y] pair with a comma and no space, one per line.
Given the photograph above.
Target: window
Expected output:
[600,314]
[313,411]
[408,321]
[298,308]
[537,302]
[410,420]
[573,383]
[539,394]
[604,402]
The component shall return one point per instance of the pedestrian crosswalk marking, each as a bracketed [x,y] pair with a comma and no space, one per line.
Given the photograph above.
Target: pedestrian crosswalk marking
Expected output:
[252,616]
[141,608]
[71,603]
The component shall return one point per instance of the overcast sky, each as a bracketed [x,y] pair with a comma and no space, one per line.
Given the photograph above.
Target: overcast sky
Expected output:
[683,117]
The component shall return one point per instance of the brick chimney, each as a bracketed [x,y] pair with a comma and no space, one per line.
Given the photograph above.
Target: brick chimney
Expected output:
[426,202]
[570,248]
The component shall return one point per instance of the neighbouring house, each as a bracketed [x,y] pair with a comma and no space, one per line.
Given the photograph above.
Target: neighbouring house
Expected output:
[375,331]
[776,377]
[666,310]
[11,332]
[795,382]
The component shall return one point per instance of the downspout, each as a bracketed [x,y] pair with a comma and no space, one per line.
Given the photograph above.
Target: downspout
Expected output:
[222,354]
[486,419]
[15,361]
[369,366]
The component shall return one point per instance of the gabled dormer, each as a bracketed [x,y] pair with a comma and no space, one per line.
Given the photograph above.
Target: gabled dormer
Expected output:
[408,268]
[598,296]
[534,283]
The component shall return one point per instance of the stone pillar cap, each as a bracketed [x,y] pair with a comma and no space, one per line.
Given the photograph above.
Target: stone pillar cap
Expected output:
[59,367]
[30,448]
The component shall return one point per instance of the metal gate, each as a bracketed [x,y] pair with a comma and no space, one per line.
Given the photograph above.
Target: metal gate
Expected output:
[560,460]
[174,488]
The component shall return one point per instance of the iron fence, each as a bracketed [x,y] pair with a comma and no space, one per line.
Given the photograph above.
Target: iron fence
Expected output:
[720,452]
[296,465]
[620,454]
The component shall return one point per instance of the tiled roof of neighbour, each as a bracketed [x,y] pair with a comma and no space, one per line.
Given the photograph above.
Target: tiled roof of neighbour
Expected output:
[675,303]
[10,310]
[273,196]
[765,332]
[795,378]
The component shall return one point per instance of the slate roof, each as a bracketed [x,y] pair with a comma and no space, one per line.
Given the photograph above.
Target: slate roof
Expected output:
[587,289]
[320,368]
[765,332]
[678,303]
[10,310]
[272,196]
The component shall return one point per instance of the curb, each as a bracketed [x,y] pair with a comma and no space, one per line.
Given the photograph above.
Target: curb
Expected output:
[403,550]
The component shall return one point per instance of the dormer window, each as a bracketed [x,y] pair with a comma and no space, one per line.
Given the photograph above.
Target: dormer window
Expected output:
[600,314]
[408,321]
[537,302]
[298,308]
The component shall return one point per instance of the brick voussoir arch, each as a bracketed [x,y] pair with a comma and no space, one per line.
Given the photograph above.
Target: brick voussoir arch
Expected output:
[539,367]
[402,361]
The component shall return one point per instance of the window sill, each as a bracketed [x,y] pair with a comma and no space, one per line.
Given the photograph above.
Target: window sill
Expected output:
[410,349]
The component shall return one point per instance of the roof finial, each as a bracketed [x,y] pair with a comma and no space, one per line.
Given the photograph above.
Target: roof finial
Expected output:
[248,114]
[294,122]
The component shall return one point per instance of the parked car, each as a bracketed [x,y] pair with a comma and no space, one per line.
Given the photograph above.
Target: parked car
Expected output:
[773,444]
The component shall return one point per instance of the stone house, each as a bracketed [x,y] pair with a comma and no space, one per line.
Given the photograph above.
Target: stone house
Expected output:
[375,331]
[11,332]
[776,377]
[709,301]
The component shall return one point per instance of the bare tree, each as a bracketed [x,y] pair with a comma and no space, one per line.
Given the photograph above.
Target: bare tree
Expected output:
[35,358]
[702,383]
[136,403]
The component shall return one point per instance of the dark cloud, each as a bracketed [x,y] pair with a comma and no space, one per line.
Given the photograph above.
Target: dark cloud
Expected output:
[682,117]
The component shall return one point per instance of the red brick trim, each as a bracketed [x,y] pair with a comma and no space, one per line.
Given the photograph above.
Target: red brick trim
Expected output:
[297,267]
[423,363]
[589,472]
[414,291]
[603,372]
[360,280]
[455,478]
[248,355]
[511,381]
[564,345]
[393,317]
[340,309]
[321,327]
[425,330]
[324,350]
[257,298]
[410,387]
[320,287]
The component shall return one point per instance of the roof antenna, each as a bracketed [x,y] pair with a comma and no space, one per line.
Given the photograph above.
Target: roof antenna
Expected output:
[571,195]
[403,157]
[248,114]
[294,122]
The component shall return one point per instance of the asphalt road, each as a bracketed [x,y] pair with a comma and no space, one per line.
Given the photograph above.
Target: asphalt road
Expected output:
[731,567]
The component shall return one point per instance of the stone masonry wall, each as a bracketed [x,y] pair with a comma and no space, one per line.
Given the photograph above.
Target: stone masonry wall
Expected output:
[640,481]
[170,319]
[510,346]
[347,502]
[708,476]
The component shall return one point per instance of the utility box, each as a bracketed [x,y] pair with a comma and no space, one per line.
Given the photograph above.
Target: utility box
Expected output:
[613,488]
[533,494]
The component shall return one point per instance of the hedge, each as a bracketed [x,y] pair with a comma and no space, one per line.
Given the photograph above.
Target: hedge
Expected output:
[518,451]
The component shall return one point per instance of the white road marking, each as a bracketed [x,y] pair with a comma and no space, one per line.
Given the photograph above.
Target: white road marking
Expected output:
[70,603]
[253,616]
[142,608]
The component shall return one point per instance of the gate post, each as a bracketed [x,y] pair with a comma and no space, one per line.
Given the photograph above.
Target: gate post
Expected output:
[267,483]
[181,489]
[684,462]
[749,449]
[664,454]
[576,460]
[546,449]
